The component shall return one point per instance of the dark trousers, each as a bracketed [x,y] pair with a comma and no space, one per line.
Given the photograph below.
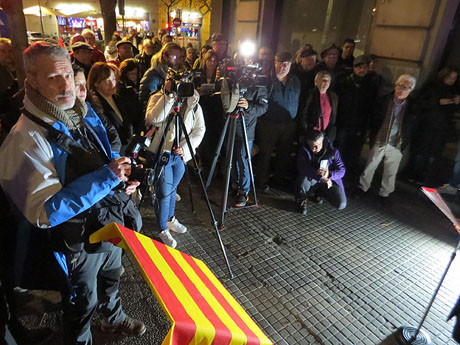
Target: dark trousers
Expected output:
[95,278]
[334,195]
[274,135]
[240,167]
[350,142]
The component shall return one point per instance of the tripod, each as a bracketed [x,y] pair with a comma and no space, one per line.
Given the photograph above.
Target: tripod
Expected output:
[231,122]
[177,115]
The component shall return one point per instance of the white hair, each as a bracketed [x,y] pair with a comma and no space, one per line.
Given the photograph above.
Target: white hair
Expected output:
[407,77]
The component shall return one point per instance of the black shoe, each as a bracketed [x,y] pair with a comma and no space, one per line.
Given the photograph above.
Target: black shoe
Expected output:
[317,199]
[241,200]
[385,201]
[303,207]
[130,327]
[358,193]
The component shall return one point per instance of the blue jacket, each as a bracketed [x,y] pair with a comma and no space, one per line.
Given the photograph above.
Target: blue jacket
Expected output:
[283,101]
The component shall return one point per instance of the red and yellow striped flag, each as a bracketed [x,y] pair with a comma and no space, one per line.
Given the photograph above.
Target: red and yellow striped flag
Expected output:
[198,306]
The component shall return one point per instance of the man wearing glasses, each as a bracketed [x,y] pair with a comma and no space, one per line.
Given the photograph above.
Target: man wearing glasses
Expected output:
[389,136]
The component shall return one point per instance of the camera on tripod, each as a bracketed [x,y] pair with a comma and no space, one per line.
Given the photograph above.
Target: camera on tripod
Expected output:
[237,80]
[183,85]
[145,176]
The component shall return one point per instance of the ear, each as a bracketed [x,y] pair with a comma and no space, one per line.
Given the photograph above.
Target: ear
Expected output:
[32,80]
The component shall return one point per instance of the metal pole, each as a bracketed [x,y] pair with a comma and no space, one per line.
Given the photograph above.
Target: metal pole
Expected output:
[41,17]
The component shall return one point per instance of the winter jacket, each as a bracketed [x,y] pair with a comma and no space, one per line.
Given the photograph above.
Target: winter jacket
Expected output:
[258,104]
[308,163]
[152,81]
[356,99]
[312,113]
[158,109]
[378,117]
[125,127]
[39,167]
[283,99]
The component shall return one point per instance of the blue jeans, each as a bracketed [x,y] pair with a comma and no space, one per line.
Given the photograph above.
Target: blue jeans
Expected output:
[240,166]
[167,190]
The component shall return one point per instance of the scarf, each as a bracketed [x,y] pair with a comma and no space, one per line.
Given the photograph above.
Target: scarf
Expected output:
[71,118]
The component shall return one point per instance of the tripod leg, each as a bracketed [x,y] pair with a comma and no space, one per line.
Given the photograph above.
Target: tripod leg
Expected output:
[216,155]
[228,167]
[208,203]
[248,155]
[187,178]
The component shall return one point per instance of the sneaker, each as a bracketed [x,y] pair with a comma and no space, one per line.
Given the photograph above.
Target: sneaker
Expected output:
[178,198]
[130,327]
[167,239]
[175,226]
[241,200]
[447,189]
[303,206]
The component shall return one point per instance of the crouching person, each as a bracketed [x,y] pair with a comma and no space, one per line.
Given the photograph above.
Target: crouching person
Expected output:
[61,178]
[320,171]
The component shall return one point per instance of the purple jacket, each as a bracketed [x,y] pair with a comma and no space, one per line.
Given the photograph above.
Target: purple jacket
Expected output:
[308,163]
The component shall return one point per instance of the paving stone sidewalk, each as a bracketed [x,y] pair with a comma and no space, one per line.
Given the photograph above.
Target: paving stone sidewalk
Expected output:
[331,277]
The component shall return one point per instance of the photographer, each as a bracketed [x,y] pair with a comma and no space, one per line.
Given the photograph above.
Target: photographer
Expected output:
[320,171]
[159,107]
[60,171]
[154,78]
[254,103]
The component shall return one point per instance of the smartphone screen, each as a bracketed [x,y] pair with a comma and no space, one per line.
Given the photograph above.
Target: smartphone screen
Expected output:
[323,165]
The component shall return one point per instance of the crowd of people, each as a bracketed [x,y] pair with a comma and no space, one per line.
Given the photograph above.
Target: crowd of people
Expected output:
[66,133]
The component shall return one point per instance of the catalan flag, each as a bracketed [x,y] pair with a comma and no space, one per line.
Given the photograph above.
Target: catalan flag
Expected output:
[198,306]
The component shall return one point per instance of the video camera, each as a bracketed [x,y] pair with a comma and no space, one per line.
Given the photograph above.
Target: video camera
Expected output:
[236,81]
[184,85]
[143,175]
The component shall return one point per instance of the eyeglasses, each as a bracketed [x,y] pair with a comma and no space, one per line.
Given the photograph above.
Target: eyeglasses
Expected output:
[404,87]
[284,63]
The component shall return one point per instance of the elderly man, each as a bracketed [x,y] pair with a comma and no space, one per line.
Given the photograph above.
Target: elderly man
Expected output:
[145,58]
[82,55]
[61,177]
[90,38]
[278,126]
[124,51]
[389,136]
[319,172]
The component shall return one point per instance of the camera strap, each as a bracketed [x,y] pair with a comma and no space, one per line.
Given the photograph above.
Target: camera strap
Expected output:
[86,156]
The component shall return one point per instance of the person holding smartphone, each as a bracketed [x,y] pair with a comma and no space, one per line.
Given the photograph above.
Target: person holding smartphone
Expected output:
[320,170]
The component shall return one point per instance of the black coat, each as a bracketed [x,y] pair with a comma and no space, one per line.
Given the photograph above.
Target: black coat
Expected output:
[257,98]
[312,113]
[128,94]
[124,127]
[434,122]
[356,100]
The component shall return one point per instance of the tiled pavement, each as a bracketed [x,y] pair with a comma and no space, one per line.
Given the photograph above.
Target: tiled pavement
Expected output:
[331,277]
